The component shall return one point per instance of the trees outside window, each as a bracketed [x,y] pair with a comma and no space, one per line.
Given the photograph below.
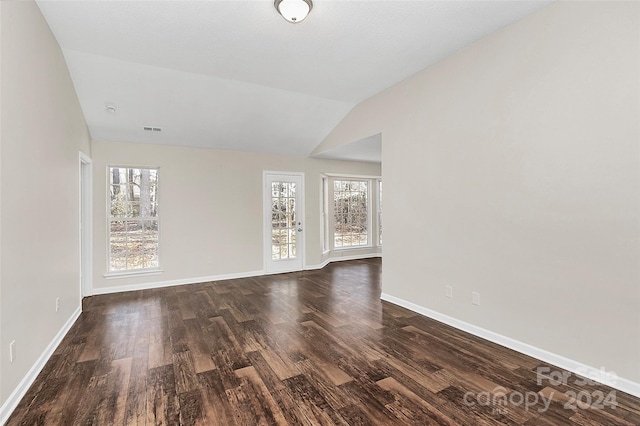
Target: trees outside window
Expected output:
[351,213]
[133,219]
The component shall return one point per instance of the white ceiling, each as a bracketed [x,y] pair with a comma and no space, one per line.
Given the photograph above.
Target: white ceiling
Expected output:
[235,75]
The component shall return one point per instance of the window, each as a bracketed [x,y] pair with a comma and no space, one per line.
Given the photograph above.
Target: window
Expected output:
[133,219]
[325,214]
[350,212]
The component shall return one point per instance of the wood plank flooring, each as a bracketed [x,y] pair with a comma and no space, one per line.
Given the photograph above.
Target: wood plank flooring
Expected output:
[307,348]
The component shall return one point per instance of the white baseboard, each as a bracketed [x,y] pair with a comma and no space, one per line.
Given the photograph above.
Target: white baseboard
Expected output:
[340,259]
[196,280]
[318,266]
[570,365]
[159,284]
[18,393]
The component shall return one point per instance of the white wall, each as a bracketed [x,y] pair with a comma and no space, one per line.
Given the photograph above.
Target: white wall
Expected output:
[42,131]
[210,206]
[512,169]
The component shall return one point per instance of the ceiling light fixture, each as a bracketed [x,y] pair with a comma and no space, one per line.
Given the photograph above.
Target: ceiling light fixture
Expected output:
[293,11]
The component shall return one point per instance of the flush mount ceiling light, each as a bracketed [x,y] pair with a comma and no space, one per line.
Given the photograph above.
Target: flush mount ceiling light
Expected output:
[293,11]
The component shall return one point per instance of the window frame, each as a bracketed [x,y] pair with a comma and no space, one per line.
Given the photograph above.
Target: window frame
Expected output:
[109,219]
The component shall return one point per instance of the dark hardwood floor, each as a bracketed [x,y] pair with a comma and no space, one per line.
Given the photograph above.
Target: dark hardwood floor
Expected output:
[307,348]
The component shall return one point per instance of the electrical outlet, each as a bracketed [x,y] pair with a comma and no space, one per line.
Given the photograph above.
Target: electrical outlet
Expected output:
[57,304]
[475,298]
[12,347]
[448,291]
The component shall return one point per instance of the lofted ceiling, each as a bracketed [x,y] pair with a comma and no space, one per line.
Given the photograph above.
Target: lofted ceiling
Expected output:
[235,75]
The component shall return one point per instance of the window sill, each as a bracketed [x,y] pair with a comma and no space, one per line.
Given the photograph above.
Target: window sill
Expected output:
[354,248]
[127,274]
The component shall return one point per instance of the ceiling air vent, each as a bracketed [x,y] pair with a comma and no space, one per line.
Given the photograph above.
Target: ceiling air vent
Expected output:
[152,129]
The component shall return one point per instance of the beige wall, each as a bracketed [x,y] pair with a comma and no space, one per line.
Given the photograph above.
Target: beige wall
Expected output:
[210,206]
[2,398]
[42,131]
[512,169]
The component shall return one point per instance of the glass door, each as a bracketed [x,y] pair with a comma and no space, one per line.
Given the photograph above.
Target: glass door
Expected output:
[284,227]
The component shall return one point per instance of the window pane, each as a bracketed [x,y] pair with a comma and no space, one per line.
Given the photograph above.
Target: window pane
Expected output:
[118,263]
[118,245]
[117,192]
[134,210]
[135,245]
[150,255]
[118,209]
[151,259]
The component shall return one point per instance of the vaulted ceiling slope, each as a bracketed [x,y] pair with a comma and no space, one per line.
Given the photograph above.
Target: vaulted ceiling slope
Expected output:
[235,75]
